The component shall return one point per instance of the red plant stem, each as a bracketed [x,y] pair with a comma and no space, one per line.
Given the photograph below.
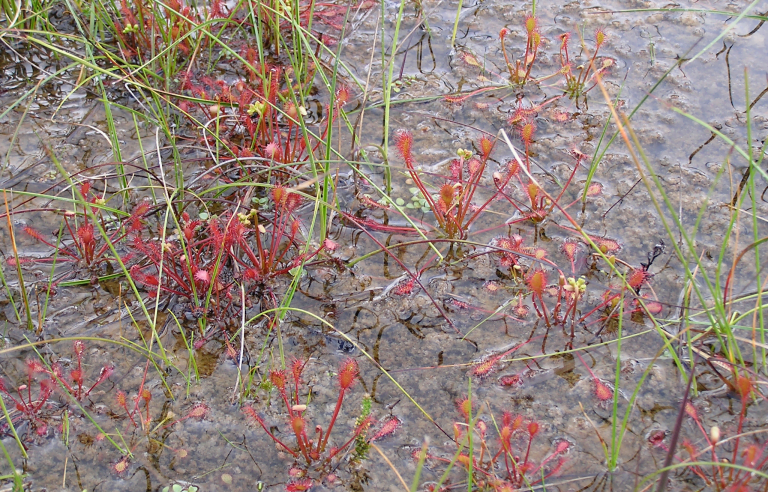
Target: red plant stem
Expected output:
[427,197]
[344,446]
[543,307]
[278,441]
[600,306]
[319,438]
[277,232]
[333,420]
[565,186]
[130,415]
[483,448]
[530,65]
[75,239]
[527,452]
[506,58]
[510,200]
[402,265]
[61,249]
[259,245]
[300,439]
[744,399]
[465,200]
[585,365]
[370,224]
[287,247]
[480,210]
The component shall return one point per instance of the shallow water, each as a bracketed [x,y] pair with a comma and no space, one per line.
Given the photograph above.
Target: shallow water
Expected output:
[426,341]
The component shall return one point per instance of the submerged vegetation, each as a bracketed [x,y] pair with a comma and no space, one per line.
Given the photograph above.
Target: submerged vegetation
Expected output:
[264,216]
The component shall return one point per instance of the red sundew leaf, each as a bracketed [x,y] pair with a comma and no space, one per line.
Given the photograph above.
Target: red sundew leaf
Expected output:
[751,455]
[637,277]
[342,95]
[198,411]
[138,276]
[690,448]
[278,380]
[404,142]
[744,386]
[464,406]
[121,466]
[485,367]
[35,367]
[298,424]
[600,37]
[539,253]
[656,438]
[560,116]
[404,288]
[594,189]
[606,245]
[299,485]
[34,233]
[85,234]
[531,24]
[469,59]
[511,380]
[251,413]
[521,310]
[121,398]
[570,248]
[537,281]
[486,146]
[474,166]
[388,428]
[459,304]
[491,286]
[11,261]
[562,446]
[297,367]
[533,429]
[602,391]
[203,276]
[77,376]
[348,373]
[79,347]
[527,131]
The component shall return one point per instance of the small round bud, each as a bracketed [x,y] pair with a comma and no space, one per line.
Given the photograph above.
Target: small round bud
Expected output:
[714,434]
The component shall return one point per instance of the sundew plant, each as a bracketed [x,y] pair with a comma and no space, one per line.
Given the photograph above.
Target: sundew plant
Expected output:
[383,245]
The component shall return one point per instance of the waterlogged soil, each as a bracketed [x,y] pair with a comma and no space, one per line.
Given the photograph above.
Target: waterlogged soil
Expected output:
[426,339]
